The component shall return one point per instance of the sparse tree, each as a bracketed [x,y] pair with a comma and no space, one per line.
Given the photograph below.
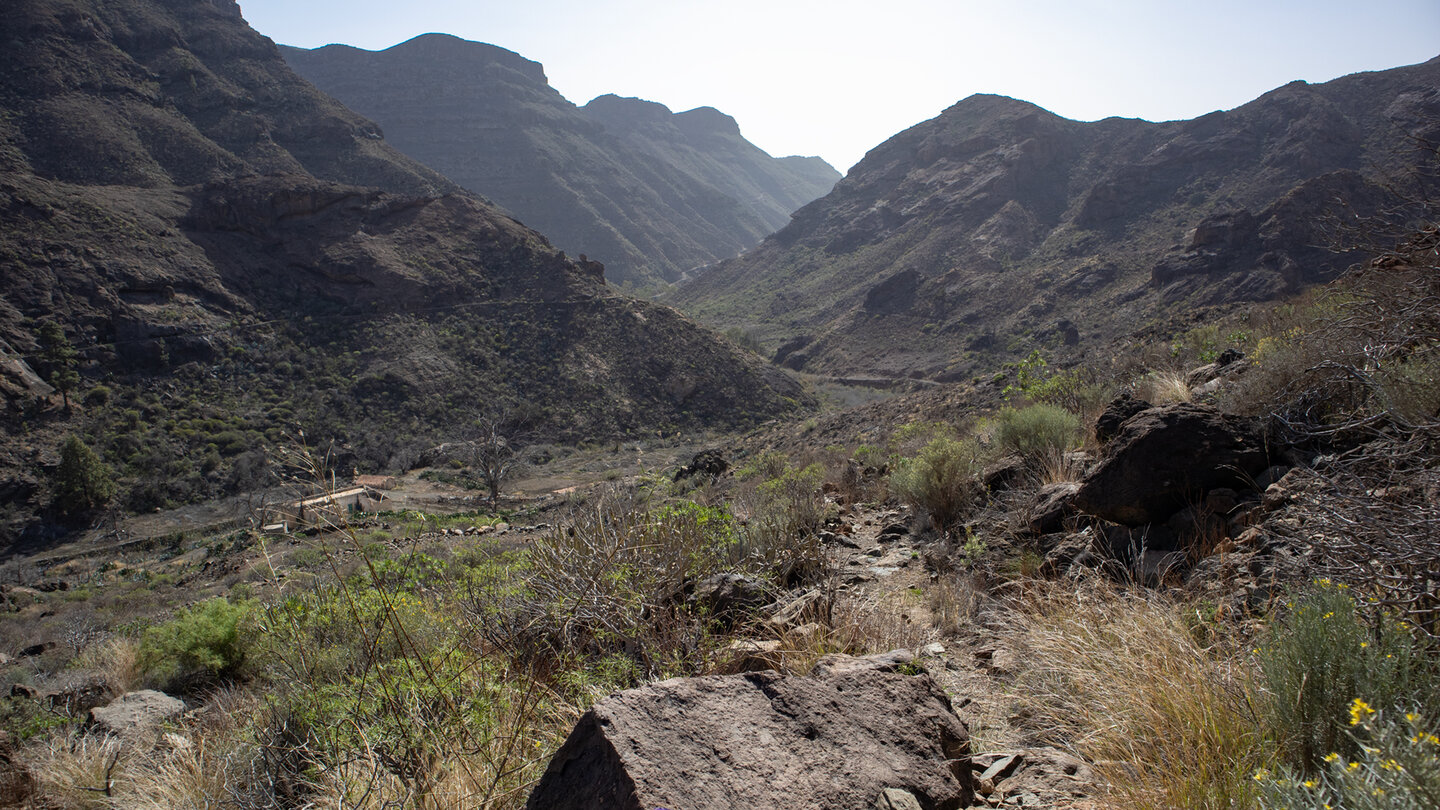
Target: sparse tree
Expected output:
[493,451]
[60,356]
[83,482]
[493,455]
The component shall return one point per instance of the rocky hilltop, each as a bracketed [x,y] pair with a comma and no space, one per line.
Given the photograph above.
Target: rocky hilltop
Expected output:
[998,227]
[650,193]
[234,257]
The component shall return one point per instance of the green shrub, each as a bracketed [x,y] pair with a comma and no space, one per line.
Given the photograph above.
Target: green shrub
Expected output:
[82,482]
[98,396]
[204,639]
[943,480]
[1321,658]
[1397,767]
[1037,431]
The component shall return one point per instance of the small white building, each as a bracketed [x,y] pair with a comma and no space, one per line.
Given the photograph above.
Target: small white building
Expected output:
[331,508]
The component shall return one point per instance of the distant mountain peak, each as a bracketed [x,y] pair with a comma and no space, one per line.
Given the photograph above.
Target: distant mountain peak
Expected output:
[707,120]
[446,53]
[651,193]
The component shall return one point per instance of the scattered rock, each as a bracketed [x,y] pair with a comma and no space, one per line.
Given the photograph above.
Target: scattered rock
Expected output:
[1154,567]
[135,714]
[729,598]
[751,655]
[836,739]
[897,799]
[893,532]
[1051,506]
[801,609]
[706,464]
[1001,767]
[1002,475]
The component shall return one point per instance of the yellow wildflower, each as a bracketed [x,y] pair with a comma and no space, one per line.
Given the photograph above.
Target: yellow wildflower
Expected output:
[1359,711]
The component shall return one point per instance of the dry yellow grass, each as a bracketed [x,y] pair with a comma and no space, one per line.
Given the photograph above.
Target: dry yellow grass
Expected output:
[1121,679]
[1164,387]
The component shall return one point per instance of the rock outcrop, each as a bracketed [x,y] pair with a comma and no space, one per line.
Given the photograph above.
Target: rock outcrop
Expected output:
[836,740]
[1168,456]
[134,715]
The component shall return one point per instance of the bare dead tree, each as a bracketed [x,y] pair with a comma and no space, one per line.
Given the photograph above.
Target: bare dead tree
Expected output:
[493,449]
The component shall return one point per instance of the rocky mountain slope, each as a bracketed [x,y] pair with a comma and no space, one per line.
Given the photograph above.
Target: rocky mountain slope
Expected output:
[998,227]
[237,258]
[648,192]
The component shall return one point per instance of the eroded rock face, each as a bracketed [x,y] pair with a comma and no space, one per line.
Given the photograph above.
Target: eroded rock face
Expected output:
[1163,457]
[762,740]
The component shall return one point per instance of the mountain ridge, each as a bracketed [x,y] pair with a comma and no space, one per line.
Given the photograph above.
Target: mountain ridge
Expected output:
[998,227]
[240,259]
[650,192]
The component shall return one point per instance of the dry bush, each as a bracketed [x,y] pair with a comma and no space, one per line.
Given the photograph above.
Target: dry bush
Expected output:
[852,625]
[1057,467]
[943,480]
[1374,516]
[118,659]
[1361,356]
[955,601]
[79,772]
[1121,679]
[214,762]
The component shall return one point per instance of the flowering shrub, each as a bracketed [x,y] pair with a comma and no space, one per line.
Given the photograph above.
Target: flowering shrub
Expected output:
[1397,767]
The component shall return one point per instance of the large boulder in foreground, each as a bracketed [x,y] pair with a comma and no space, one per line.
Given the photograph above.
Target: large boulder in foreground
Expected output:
[1164,457]
[830,741]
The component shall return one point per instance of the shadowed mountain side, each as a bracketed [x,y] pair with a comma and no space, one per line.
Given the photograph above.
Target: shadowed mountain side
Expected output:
[648,192]
[237,249]
[998,227]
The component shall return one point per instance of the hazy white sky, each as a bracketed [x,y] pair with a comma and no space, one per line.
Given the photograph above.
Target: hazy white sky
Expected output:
[838,77]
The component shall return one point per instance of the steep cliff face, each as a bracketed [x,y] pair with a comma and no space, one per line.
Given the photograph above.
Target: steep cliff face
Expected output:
[236,257]
[998,227]
[649,193]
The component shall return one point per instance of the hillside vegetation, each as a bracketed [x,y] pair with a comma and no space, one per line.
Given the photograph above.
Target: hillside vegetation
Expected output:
[233,258]
[1266,646]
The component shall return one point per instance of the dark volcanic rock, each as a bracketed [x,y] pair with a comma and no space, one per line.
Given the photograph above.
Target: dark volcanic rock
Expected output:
[650,193]
[833,741]
[1120,409]
[708,464]
[1168,456]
